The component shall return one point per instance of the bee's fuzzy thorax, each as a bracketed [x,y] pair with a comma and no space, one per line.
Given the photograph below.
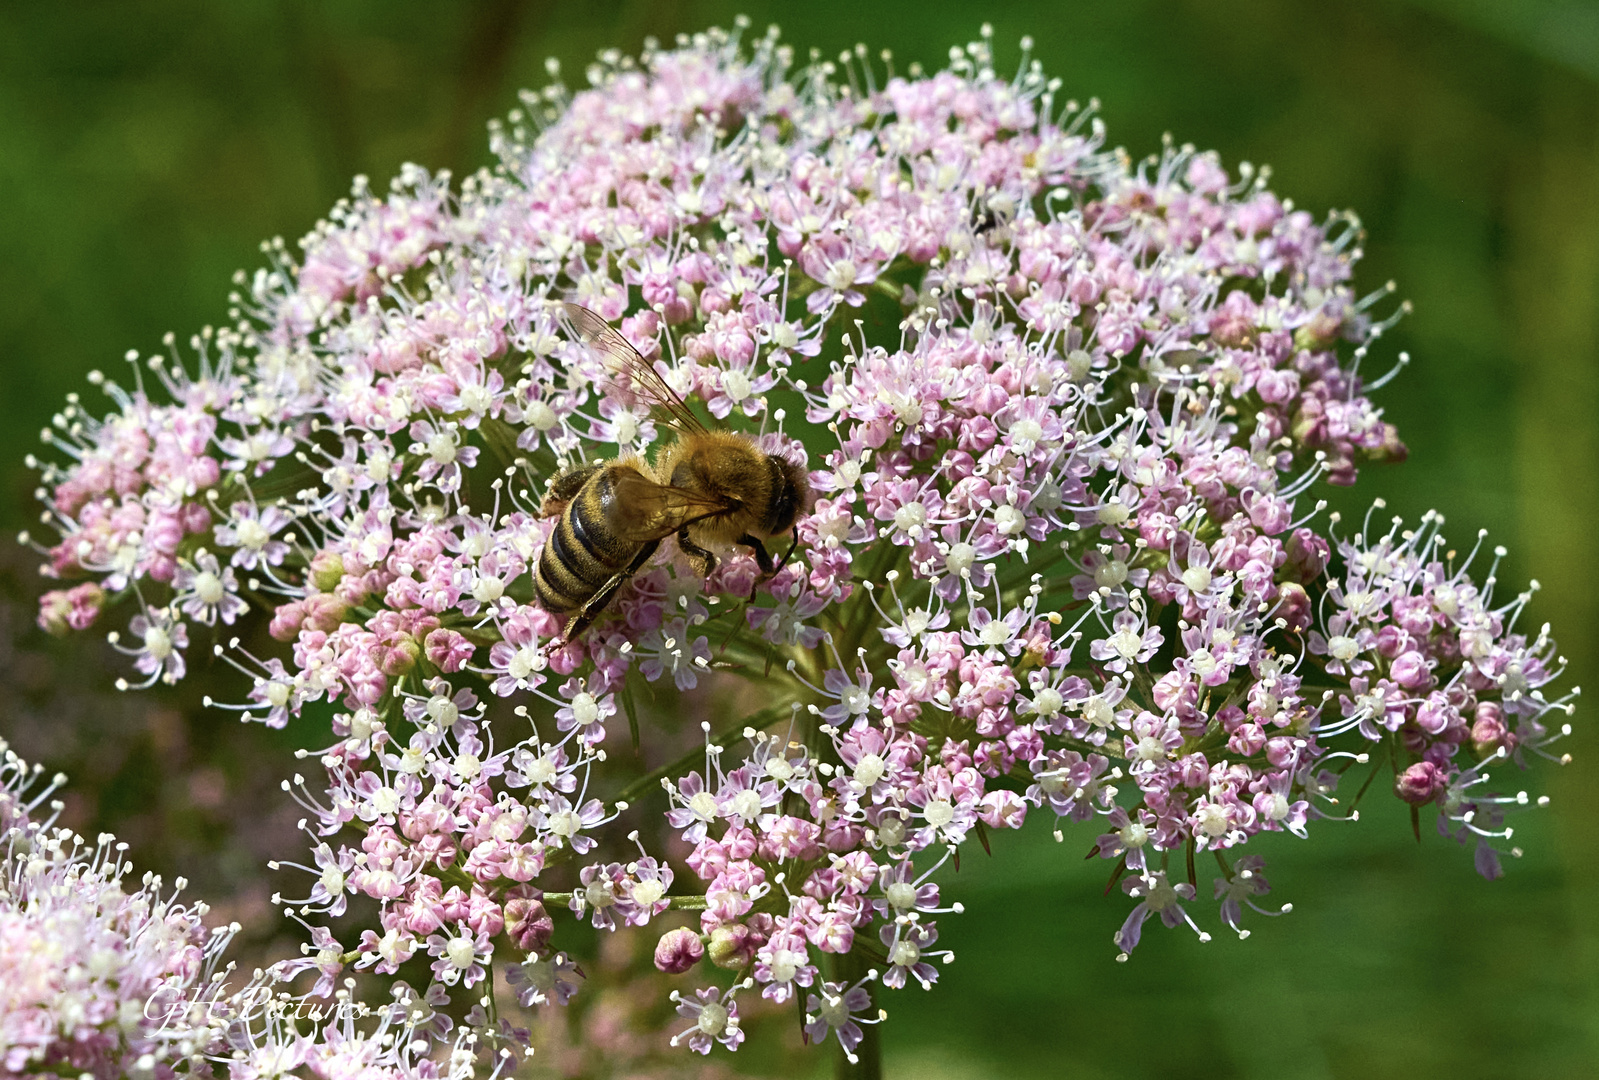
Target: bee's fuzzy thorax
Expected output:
[728,465]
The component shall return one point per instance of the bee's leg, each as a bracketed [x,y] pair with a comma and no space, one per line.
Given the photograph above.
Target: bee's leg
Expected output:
[767,568]
[602,599]
[564,488]
[704,562]
[789,553]
[762,558]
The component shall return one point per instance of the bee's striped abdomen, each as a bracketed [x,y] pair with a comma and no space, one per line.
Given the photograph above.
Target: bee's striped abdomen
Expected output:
[581,555]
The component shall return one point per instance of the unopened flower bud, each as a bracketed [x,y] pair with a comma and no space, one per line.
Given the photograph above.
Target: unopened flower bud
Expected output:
[327,567]
[1410,670]
[399,656]
[54,607]
[355,588]
[447,650]
[324,612]
[1293,605]
[1488,731]
[287,620]
[1391,641]
[195,517]
[1421,783]
[86,600]
[732,946]
[1309,424]
[678,950]
[528,924]
[1232,329]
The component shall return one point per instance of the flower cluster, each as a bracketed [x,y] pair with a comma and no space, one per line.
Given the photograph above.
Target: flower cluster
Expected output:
[99,980]
[277,1033]
[110,983]
[1061,413]
[1440,676]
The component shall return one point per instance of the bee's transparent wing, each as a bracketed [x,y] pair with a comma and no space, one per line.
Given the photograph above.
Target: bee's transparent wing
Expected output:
[622,359]
[656,511]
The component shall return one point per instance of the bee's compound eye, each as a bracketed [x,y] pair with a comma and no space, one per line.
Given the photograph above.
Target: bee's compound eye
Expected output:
[789,497]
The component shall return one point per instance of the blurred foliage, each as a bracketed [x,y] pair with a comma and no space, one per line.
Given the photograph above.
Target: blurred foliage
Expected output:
[147,147]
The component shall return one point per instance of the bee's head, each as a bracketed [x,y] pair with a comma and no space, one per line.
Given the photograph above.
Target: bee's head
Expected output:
[791,496]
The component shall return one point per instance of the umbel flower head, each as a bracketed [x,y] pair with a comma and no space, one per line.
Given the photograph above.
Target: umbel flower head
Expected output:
[95,979]
[100,981]
[1062,413]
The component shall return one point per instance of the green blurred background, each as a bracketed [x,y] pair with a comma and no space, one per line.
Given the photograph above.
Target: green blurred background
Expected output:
[147,147]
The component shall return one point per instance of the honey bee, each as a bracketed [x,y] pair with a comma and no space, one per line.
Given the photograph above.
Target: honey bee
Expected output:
[710,488]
